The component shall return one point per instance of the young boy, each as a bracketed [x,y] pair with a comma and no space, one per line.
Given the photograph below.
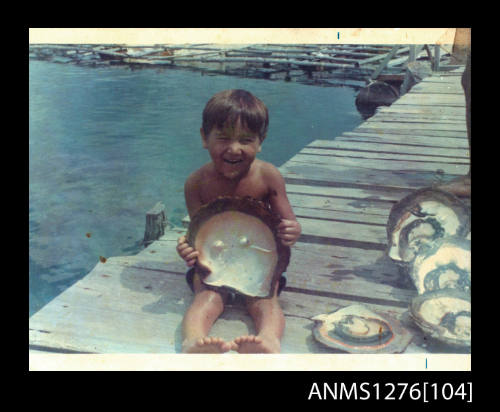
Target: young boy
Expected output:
[234,126]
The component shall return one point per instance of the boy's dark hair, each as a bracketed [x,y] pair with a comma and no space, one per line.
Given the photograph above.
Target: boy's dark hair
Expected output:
[228,106]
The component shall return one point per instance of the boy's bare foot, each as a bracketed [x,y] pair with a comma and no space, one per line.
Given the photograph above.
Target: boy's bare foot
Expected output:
[207,345]
[257,344]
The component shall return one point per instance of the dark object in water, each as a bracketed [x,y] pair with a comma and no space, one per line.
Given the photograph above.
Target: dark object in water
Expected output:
[357,329]
[420,219]
[445,315]
[238,245]
[376,94]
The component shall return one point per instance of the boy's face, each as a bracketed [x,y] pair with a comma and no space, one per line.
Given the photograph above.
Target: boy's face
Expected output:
[232,149]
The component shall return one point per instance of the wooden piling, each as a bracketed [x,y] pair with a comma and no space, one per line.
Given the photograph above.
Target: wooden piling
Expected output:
[156,223]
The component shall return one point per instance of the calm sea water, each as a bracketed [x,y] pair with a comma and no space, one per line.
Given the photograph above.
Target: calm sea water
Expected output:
[106,144]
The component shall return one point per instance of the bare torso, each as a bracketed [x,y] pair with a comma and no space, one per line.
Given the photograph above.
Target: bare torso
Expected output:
[262,182]
[252,184]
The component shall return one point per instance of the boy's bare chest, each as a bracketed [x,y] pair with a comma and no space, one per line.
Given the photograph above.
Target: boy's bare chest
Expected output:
[211,190]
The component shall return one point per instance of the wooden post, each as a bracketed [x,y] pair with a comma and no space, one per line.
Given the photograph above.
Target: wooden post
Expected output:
[156,222]
[382,65]
[437,57]
[412,57]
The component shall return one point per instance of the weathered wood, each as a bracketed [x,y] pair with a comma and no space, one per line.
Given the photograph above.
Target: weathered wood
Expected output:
[429,99]
[144,309]
[364,160]
[414,125]
[263,60]
[403,117]
[378,154]
[384,62]
[341,190]
[369,135]
[370,194]
[385,179]
[156,222]
[396,49]
[414,108]
[422,132]
[455,153]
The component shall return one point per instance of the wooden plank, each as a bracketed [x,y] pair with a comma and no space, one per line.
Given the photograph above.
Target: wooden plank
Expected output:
[418,118]
[339,210]
[429,99]
[392,179]
[423,110]
[345,271]
[408,139]
[262,60]
[370,235]
[372,154]
[375,164]
[447,88]
[370,195]
[434,126]
[410,131]
[441,79]
[389,148]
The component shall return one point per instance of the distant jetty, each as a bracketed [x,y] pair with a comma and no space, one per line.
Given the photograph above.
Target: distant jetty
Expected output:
[319,64]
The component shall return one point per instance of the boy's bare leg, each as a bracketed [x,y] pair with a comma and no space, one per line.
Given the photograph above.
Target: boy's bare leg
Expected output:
[269,323]
[198,320]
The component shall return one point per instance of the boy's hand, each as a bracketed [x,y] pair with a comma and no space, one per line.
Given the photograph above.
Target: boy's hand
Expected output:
[186,252]
[289,231]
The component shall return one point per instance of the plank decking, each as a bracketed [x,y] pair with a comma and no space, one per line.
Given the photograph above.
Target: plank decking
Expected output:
[341,190]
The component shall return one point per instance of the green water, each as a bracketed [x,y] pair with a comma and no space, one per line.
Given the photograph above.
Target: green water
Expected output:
[106,144]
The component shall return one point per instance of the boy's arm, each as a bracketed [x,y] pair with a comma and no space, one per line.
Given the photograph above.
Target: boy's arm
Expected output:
[289,229]
[192,193]
[193,203]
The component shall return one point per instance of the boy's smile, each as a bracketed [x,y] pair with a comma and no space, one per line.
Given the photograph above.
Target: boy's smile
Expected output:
[232,149]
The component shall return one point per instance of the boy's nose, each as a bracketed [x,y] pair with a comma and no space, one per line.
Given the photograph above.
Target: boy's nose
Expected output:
[234,147]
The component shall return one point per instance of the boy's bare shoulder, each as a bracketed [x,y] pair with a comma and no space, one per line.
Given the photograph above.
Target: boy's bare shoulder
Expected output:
[197,175]
[268,170]
[194,180]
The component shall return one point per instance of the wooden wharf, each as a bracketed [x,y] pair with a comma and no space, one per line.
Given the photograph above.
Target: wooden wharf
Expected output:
[341,190]
[314,63]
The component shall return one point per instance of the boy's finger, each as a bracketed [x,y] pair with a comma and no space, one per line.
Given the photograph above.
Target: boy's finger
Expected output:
[191,256]
[181,240]
[183,246]
[284,223]
[288,230]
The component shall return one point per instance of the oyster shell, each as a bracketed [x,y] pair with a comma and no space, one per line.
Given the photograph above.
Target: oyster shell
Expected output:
[357,329]
[446,265]
[238,246]
[421,218]
[445,315]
